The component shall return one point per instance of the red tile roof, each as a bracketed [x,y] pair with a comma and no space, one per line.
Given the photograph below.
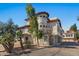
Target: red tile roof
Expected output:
[54,20]
[42,13]
[69,31]
[49,21]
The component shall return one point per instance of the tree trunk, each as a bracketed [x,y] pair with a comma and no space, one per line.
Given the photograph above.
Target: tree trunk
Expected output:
[21,43]
[37,41]
[11,45]
[32,39]
[8,47]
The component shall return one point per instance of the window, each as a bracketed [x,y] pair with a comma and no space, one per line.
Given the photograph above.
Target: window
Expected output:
[68,35]
[40,25]
[63,36]
[40,16]
[71,35]
[26,38]
[43,25]
[43,16]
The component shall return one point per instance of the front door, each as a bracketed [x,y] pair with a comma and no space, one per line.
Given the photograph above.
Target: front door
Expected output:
[26,39]
[51,41]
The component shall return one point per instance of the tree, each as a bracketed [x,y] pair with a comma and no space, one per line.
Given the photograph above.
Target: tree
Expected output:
[7,35]
[74,28]
[33,21]
[40,34]
[30,11]
[77,35]
[77,18]
[19,35]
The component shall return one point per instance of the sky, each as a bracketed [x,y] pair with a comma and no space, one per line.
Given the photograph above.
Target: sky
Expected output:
[66,12]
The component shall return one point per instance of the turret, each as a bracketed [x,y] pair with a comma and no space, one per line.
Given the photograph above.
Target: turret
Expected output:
[42,18]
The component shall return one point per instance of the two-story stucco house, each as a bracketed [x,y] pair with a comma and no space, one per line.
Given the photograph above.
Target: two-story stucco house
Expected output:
[51,28]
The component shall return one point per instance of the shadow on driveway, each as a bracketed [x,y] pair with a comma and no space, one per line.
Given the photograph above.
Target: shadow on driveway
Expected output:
[69,44]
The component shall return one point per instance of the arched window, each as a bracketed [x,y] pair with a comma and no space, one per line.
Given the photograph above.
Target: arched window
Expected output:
[71,35]
[43,25]
[40,16]
[43,16]
[40,25]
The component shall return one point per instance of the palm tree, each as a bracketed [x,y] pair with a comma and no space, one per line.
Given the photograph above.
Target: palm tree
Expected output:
[19,35]
[33,22]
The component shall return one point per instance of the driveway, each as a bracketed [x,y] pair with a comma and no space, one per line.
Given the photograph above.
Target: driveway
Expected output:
[67,49]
